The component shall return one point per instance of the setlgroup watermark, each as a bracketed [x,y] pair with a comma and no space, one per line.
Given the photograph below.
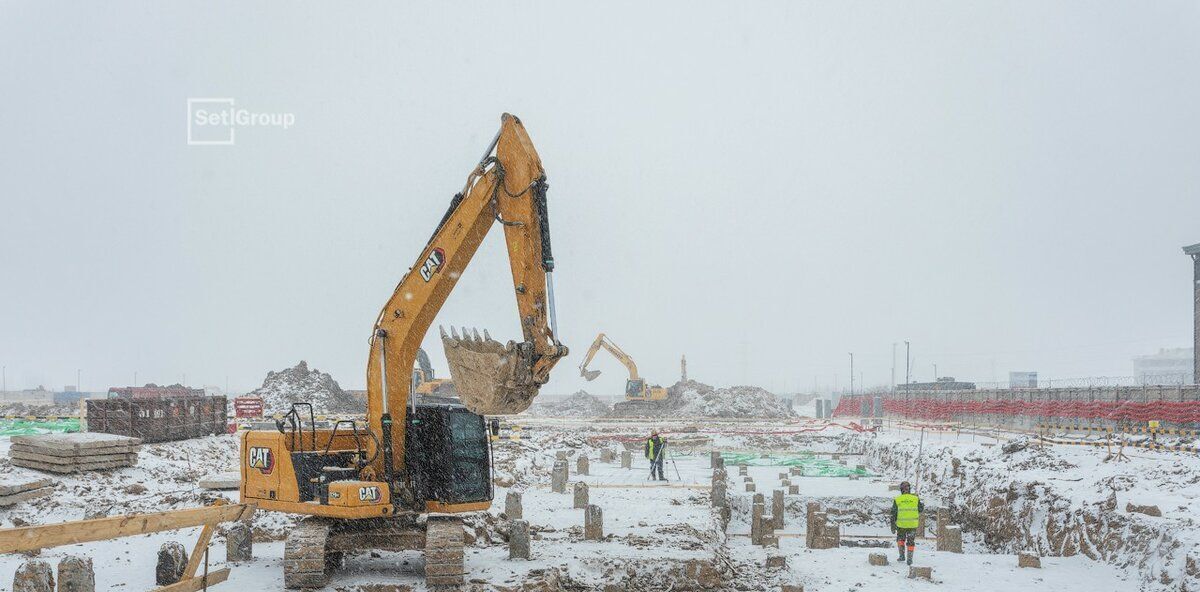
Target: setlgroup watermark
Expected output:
[215,121]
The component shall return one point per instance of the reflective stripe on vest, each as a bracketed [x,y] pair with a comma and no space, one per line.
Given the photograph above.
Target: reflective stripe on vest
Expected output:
[908,514]
[650,443]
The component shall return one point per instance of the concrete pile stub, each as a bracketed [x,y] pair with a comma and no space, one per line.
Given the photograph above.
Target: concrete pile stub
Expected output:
[942,519]
[953,539]
[720,496]
[581,495]
[877,559]
[34,576]
[239,543]
[512,505]
[924,573]
[518,539]
[172,560]
[1028,560]
[626,459]
[777,509]
[749,486]
[76,574]
[791,588]
[757,511]
[743,470]
[581,465]
[560,455]
[793,490]
[776,562]
[606,455]
[558,477]
[593,523]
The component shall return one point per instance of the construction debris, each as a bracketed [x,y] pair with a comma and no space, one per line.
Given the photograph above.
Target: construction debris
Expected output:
[239,543]
[34,576]
[580,404]
[877,559]
[221,481]
[73,453]
[172,560]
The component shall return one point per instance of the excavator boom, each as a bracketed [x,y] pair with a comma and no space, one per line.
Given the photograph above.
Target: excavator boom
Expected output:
[491,378]
[602,341]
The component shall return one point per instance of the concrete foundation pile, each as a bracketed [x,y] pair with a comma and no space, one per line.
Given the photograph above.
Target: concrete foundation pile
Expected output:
[73,453]
[819,533]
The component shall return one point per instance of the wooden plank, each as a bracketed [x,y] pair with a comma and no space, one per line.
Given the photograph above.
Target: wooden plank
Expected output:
[198,552]
[28,538]
[196,583]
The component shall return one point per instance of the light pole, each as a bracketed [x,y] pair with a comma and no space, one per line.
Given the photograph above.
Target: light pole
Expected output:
[907,367]
[851,374]
[78,384]
[892,385]
[935,376]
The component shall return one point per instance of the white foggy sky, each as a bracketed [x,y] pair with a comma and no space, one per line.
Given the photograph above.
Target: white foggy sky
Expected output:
[1005,184]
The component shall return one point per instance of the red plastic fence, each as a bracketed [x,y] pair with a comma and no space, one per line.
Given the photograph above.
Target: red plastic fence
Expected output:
[945,410]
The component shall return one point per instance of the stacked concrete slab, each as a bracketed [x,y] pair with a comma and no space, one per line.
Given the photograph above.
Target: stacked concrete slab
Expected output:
[74,453]
[13,492]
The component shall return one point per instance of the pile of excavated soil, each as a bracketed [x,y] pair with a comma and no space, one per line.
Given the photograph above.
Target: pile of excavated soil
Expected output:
[580,404]
[1061,501]
[299,384]
[696,399]
[24,410]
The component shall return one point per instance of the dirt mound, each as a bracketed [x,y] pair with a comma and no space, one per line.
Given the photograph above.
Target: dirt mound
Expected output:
[299,384]
[696,399]
[580,404]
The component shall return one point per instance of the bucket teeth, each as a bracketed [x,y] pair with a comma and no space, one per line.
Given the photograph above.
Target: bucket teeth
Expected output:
[491,378]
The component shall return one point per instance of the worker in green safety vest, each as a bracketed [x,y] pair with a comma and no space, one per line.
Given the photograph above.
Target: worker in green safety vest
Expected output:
[906,516]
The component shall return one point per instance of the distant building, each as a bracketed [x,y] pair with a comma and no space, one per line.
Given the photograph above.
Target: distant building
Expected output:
[37,396]
[945,383]
[1022,380]
[1168,366]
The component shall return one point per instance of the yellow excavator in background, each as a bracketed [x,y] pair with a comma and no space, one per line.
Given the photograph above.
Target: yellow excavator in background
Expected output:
[639,396]
[397,482]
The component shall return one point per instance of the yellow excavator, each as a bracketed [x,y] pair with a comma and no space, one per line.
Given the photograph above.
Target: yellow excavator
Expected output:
[639,396]
[401,480]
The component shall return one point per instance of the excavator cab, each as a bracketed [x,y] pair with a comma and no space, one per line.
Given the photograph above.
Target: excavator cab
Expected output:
[449,455]
[635,390]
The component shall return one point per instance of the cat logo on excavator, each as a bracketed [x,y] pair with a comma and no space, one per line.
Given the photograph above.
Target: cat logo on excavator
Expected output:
[368,494]
[262,459]
[432,263]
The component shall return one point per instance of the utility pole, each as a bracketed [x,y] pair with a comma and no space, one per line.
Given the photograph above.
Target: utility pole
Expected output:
[78,383]
[907,367]
[935,374]
[851,374]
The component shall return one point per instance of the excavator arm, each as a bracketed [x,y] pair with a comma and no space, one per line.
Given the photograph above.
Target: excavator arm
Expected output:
[602,341]
[491,378]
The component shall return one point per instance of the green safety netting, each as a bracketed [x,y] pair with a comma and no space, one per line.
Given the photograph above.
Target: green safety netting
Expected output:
[809,464]
[29,427]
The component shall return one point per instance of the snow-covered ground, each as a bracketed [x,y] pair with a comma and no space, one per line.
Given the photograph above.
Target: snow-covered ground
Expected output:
[651,530]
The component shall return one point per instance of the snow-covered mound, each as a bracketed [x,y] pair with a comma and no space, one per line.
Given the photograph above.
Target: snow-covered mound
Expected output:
[696,399]
[580,404]
[298,384]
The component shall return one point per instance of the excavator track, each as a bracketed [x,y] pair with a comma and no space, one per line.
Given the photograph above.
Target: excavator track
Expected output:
[444,565]
[306,560]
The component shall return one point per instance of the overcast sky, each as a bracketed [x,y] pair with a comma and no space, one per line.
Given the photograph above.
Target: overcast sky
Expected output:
[764,187]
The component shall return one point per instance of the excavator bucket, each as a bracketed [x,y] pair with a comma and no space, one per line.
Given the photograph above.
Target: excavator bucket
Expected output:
[491,378]
[589,375]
